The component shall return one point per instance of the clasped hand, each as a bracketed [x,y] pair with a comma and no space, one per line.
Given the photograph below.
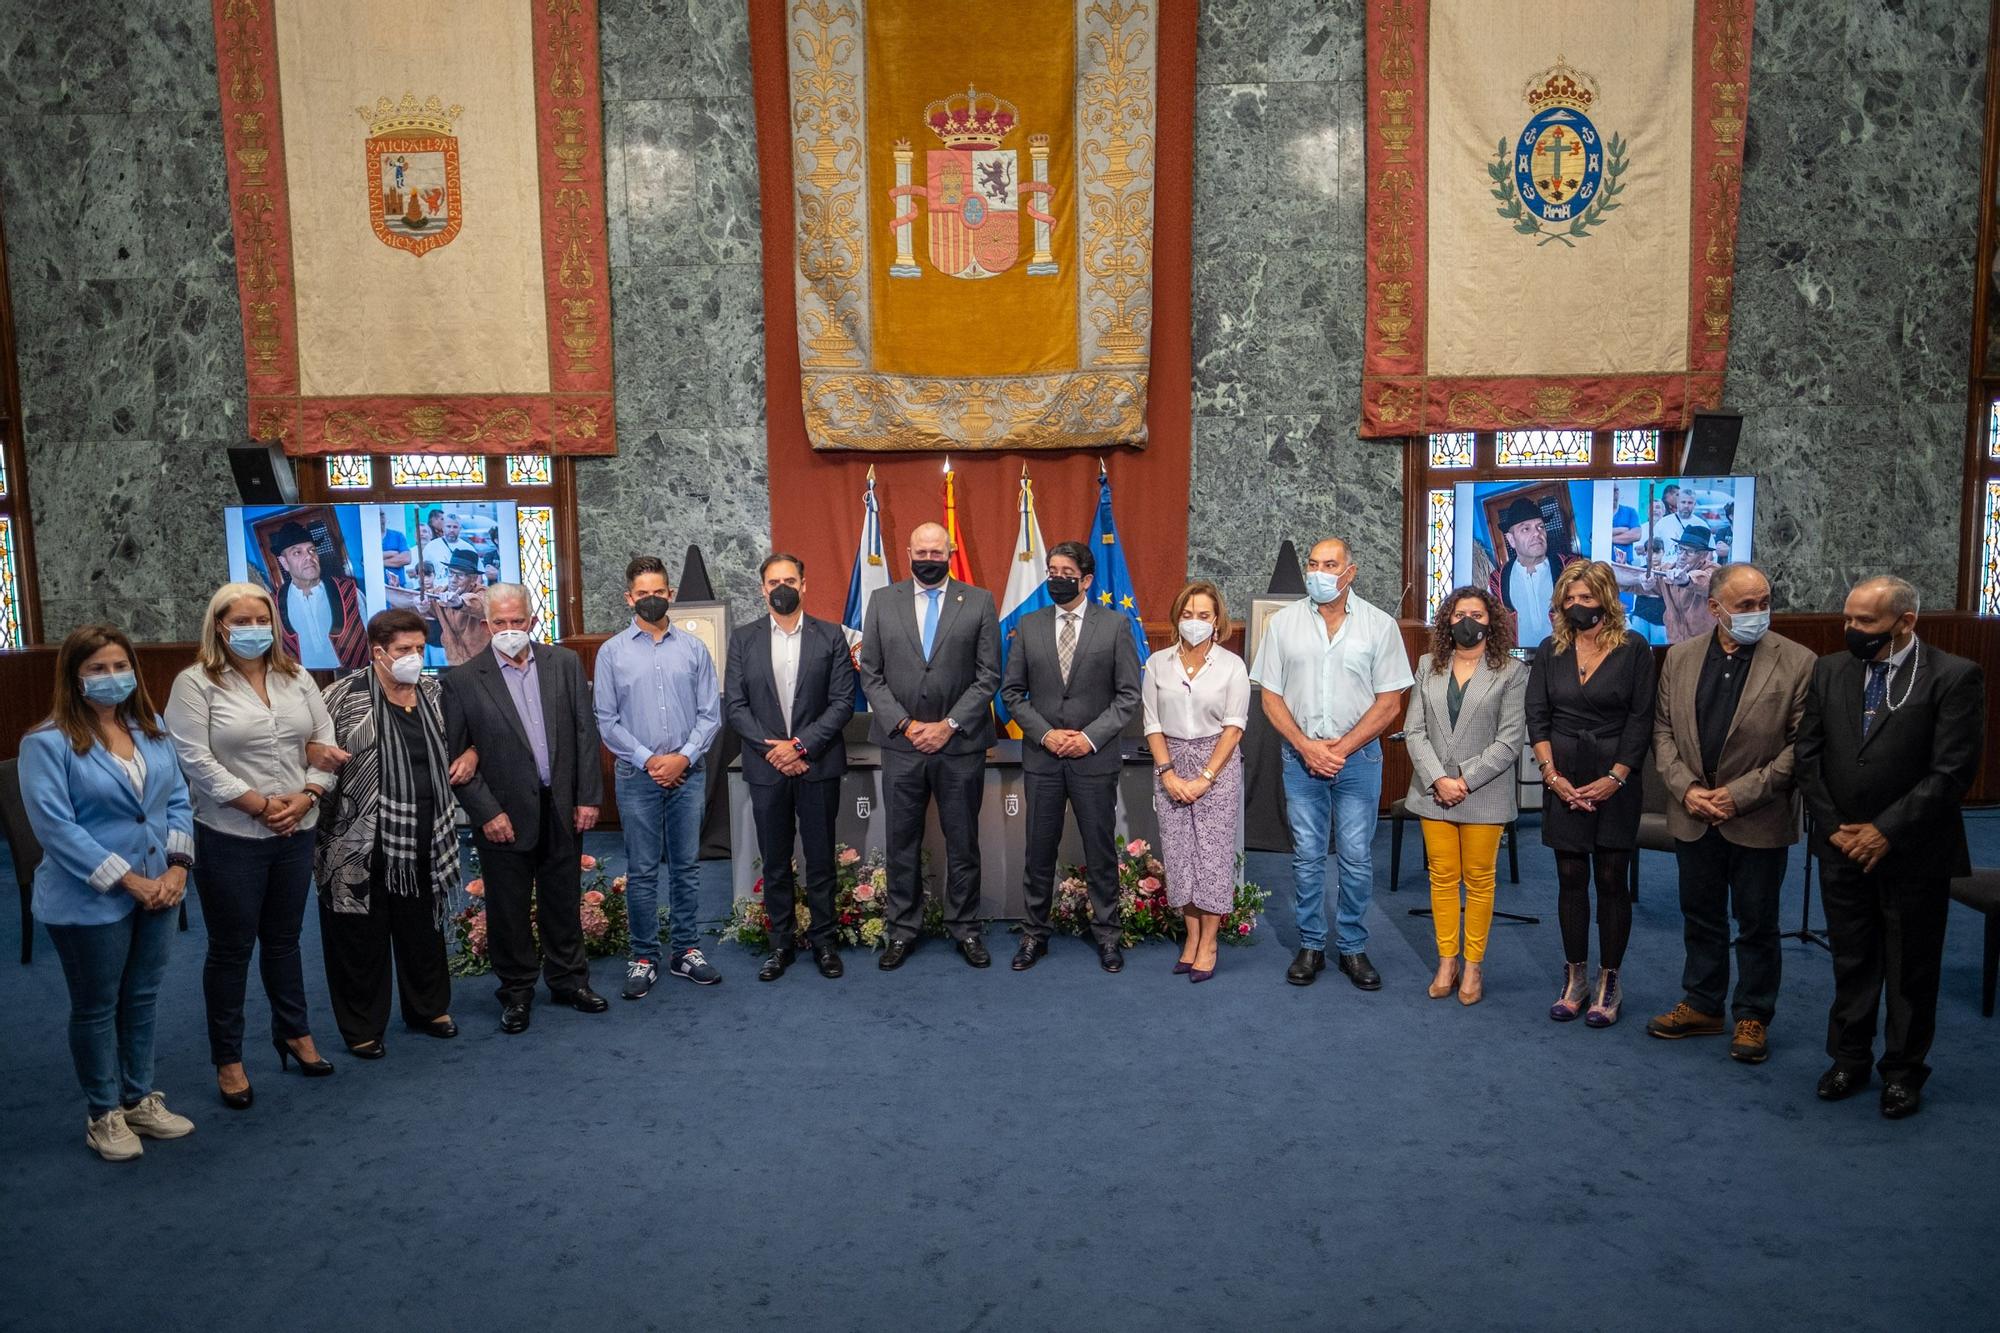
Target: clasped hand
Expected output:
[1450,791]
[281,814]
[781,754]
[1863,844]
[157,895]
[1066,744]
[1712,805]
[669,770]
[1322,759]
[1184,791]
[929,737]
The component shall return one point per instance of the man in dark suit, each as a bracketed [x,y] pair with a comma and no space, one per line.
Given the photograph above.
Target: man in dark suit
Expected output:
[1072,684]
[1888,746]
[787,692]
[524,708]
[930,662]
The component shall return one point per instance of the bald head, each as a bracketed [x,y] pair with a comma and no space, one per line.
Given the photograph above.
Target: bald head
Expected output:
[930,551]
[1740,583]
[1329,571]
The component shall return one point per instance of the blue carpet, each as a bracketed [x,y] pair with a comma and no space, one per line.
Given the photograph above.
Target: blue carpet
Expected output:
[943,1149]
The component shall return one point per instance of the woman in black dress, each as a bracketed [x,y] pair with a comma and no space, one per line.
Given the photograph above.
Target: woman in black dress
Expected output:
[1590,720]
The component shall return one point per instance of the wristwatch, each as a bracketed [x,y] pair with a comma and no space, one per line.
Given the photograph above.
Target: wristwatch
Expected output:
[1208,775]
[951,722]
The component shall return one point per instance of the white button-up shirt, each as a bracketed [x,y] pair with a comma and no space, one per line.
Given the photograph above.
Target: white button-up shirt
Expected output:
[311,615]
[1329,683]
[1192,708]
[229,743]
[785,664]
[1532,591]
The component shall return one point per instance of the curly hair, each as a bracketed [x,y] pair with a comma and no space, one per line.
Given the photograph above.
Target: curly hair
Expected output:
[1499,628]
[1601,580]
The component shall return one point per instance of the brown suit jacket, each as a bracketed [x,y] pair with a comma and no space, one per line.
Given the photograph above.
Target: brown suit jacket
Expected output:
[1757,764]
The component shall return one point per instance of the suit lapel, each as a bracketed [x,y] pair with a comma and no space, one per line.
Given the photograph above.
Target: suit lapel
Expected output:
[764,673]
[1686,685]
[903,606]
[487,667]
[1762,663]
[119,780]
[1898,683]
[1475,690]
[954,600]
[553,706]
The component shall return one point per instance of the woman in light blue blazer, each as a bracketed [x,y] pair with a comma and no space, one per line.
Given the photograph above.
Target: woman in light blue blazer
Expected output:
[108,803]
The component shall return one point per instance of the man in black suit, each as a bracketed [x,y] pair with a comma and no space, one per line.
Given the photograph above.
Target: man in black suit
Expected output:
[1887,749]
[930,662]
[787,692]
[524,709]
[1072,684]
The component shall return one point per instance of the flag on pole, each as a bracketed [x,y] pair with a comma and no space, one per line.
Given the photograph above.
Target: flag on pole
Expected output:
[1112,585]
[1027,588]
[870,576]
[961,563]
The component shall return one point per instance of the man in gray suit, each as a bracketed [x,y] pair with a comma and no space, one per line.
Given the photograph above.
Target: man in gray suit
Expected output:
[1072,685]
[930,661]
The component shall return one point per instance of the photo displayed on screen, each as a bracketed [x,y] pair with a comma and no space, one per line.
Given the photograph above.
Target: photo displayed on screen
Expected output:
[331,566]
[1662,537]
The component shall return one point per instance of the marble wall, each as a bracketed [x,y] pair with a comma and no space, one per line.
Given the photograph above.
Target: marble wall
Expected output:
[1854,294]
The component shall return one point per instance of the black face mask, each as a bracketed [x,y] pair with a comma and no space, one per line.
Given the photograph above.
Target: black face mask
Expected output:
[1583,618]
[1468,633]
[1864,645]
[784,599]
[1063,591]
[930,573]
[651,608]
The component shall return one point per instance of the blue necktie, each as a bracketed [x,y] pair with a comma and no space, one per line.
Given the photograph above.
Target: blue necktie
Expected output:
[1875,696]
[930,619]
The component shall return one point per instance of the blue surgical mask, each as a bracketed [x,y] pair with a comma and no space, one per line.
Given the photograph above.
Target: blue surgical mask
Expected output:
[250,641]
[1321,586]
[1749,626]
[110,689]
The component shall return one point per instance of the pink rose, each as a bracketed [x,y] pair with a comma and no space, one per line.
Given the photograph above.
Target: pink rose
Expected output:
[589,861]
[849,856]
[618,885]
[594,898]
[1136,847]
[476,889]
[864,892]
[1149,884]
[1243,929]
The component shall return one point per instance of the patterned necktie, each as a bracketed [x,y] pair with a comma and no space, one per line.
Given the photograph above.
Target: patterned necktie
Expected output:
[1066,643]
[1875,696]
[930,619]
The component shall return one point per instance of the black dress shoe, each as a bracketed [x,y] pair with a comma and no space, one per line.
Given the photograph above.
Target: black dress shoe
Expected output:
[237,1101]
[1031,952]
[827,959]
[1306,964]
[443,1028]
[583,999]
[1838,1084]
[893,956]
[974,950]
[368,1050]
[774,966]
[1111,958]
[1360,971]
[514,1017]
[1899,1100]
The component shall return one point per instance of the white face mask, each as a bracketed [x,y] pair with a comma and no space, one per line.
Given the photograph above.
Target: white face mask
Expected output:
[512,642]
[1195,632]
[408,669]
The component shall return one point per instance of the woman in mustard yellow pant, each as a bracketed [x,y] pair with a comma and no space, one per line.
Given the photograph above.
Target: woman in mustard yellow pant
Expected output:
[1466,725]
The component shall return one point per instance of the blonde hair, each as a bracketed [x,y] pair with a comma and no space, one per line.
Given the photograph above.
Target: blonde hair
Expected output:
[1203,588]
[1598,577]
[214,654]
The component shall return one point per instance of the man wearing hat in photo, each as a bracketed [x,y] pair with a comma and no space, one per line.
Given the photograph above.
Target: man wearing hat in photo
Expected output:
[325,624]
[1684,586]
[460,608]
[1527,581]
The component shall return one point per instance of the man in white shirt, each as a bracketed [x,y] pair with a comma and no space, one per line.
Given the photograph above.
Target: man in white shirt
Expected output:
[1680,513]
[1333,671]
[1526,583]
[437,551]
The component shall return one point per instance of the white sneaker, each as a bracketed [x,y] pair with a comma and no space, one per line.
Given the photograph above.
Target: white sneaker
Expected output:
[152,1119]
[108,1137]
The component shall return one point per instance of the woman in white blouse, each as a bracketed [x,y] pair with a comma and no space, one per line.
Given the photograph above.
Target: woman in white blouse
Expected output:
[241,719]
[1196,696]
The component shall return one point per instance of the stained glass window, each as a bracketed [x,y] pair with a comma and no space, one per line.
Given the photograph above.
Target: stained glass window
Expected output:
[3,473]
[530,470]
[537,525]
[1437,581]
[1993,430]
[1635,448]
[10,588]
[1989,553]
[436,470]
[350,472]
[1452,450]
[1542,448]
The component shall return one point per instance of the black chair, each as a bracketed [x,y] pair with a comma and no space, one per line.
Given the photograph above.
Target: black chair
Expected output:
[26,849]
[1399,814]
[1654,835]
[1981,892]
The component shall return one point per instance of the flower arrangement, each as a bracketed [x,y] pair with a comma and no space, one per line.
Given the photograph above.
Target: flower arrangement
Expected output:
[860,904]
[606,926]
[1143,913]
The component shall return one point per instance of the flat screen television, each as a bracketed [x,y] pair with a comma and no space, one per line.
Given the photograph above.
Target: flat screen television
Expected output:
[1663,536]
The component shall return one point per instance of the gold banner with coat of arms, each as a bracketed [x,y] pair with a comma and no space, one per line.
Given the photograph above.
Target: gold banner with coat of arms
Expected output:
[973,195]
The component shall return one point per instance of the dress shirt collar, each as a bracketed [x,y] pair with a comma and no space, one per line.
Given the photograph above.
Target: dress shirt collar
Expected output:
[639,630]
[1076,610]
[791,633]
[1895,660]
[508,664]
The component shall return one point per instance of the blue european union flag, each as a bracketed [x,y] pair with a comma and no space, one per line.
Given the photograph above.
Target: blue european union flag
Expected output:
[1112,584]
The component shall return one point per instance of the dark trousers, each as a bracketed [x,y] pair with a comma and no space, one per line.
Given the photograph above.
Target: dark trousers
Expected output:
[539,888]
[1094,798]
[358,949]
[1717,875]
[1887,932]
[909,781]
[795,805]
[253,896]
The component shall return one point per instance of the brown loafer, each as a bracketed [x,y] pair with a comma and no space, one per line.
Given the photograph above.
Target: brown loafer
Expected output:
[1751,1044]
[1684,1020]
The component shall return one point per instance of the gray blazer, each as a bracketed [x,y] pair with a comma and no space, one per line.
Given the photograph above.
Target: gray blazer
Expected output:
[1485,745]
[959,680]
[1098,700]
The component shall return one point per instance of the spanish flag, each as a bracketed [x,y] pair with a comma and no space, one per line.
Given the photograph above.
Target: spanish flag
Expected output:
[961,563]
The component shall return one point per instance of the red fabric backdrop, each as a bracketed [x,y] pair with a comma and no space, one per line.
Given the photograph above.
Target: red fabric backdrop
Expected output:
[816,496]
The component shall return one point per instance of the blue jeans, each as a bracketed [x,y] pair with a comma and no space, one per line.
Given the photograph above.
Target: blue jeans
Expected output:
[661,825]
[114,973]
[1345,806]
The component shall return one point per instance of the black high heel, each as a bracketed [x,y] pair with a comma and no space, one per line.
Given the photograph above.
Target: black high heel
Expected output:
[237,1101]
[319,1068]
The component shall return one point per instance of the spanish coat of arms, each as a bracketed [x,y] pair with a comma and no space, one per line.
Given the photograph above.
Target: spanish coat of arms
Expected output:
[975,193]
[412,157]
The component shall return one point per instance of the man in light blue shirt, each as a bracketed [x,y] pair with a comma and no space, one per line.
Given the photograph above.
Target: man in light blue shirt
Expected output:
[1333,671]
[658,708]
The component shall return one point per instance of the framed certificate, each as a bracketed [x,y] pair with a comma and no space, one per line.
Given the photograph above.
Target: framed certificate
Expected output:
[708,622]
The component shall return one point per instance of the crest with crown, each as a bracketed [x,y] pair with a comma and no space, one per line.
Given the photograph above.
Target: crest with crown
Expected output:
[1561,84]
[410,116]
[976,120]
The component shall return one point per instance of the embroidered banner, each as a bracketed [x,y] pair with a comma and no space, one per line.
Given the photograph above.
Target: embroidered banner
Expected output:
[1552,198]
[970,208]
[418,201]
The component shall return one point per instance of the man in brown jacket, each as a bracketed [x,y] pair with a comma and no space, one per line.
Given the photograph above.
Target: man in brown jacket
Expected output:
[1728,713]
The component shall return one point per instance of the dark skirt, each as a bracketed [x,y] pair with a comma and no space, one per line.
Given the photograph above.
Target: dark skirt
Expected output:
[1614,825]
